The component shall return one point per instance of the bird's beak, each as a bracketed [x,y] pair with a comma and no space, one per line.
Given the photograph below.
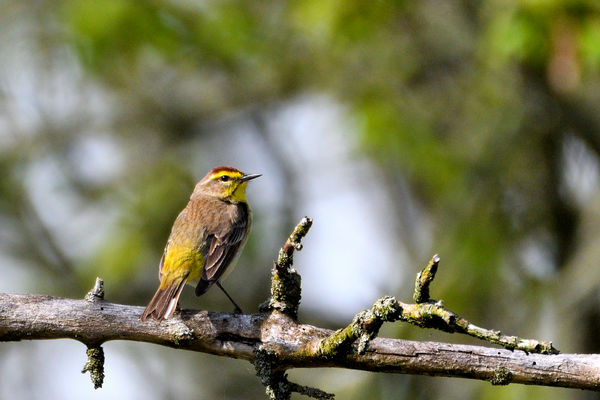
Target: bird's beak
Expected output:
[249,176]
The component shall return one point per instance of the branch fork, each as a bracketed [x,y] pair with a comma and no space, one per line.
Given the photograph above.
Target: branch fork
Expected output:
[425,313]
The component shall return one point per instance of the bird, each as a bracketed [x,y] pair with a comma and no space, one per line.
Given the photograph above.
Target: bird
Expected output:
[207,237]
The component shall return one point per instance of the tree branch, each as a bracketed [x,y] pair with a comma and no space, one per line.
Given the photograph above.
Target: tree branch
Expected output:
[31,317]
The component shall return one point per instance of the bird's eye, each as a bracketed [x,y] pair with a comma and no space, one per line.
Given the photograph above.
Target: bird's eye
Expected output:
[224,178]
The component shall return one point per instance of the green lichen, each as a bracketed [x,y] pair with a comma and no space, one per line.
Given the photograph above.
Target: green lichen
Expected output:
[182,335]
[95,365]
[286,291]
[502,376]
[275,380]
[387,309]
[286,282]
[364,327]
[338,342]
[424,279]
[300,231]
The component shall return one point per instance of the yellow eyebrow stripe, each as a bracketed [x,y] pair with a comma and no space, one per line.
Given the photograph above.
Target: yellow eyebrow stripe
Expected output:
[233,174]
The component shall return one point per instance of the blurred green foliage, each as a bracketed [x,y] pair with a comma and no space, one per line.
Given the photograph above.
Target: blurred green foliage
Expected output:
[485,113]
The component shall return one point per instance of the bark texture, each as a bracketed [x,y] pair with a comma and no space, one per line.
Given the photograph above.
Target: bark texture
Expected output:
[291,344]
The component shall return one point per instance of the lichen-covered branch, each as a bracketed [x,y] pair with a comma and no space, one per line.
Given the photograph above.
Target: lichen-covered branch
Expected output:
[285,282]
[95,353]
[435,315]
[430,314]
[363,327]
[275,379]
[31,317]
[424,313]
[424,279]
[285,297]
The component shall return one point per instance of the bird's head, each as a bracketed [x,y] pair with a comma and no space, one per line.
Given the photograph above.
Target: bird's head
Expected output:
[226,183]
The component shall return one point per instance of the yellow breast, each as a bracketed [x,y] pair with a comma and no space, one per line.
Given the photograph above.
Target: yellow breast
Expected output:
[181,261]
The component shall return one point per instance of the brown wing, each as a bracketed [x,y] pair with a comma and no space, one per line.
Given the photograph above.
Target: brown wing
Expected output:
[223,248]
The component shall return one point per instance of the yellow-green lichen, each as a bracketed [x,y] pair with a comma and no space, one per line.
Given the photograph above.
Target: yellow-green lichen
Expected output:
[502,376]
[95,365]
[182,335]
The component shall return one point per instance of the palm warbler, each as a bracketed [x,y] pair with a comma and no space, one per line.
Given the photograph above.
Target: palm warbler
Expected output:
[206,238]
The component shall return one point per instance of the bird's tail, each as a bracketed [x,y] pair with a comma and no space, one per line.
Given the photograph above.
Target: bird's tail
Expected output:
[163,304]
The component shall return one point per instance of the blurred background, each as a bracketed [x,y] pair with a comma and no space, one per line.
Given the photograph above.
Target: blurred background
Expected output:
[465,128]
